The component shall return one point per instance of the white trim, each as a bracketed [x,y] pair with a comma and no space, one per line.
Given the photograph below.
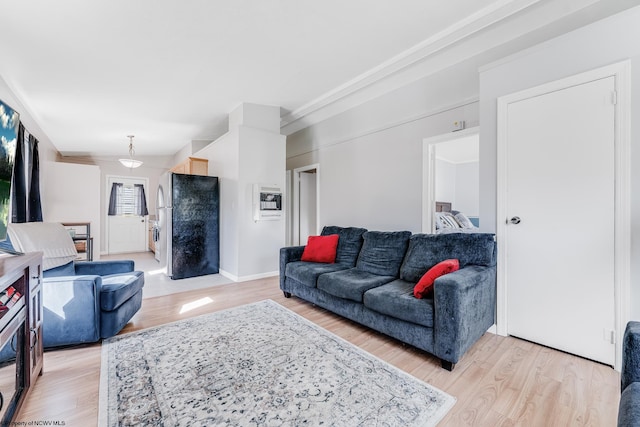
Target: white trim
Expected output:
[288,238]
[394,124]
[295,235]
[622,282]
[247,278]
[429,176]
[623,205]
[464,29]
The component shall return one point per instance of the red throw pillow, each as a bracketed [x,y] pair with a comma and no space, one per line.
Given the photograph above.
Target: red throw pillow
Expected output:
[321,249]
[424,287]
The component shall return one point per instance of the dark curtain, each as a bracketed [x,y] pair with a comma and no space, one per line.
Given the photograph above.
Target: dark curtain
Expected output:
[142,200]
[18,181]
[25,196]
[137,205]
[113,198]
[34,207]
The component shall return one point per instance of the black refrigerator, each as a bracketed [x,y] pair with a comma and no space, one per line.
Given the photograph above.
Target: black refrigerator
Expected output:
[188,225]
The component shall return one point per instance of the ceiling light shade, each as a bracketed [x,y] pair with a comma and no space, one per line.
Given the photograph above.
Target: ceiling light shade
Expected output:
[130,162]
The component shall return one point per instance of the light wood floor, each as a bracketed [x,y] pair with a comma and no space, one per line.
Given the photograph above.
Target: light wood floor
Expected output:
[500,381]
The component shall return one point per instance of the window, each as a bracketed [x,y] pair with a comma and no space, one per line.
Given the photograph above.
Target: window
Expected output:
[127,200]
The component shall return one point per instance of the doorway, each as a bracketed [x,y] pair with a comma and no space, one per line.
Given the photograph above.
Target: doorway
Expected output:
[450,175]
[306,203]
[126,225]
[563,222]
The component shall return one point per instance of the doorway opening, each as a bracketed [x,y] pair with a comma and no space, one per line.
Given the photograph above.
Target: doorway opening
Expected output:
[306,203]
[450,178]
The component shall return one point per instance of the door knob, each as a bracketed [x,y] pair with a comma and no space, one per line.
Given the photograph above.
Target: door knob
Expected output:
[515,220]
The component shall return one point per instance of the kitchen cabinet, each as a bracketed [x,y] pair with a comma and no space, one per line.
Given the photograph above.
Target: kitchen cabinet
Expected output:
[192,166]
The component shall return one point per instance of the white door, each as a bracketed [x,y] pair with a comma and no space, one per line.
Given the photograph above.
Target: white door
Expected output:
[127,234]
[127,229]
[560,237]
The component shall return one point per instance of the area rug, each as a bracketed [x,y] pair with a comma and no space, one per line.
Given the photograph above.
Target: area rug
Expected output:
[256,365]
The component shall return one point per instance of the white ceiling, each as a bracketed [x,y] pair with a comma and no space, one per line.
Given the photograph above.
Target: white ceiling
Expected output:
[92,72]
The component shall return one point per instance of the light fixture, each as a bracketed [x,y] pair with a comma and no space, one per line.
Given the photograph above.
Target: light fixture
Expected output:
[130,162]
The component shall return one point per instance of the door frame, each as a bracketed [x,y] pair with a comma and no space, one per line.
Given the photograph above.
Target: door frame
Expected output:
[108,180]
[429,173]
[288,239]
[296,201]
[622,191]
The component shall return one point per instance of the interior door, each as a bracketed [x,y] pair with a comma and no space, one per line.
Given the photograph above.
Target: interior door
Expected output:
[127,234]
[560,237]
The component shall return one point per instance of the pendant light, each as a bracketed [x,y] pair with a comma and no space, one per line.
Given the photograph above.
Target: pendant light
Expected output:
[130,162]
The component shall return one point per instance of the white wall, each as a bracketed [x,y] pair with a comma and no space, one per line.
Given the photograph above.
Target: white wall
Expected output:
[262,161]
[245,156]
[69,194]
[224,162]
[468,188]
[371,156]
[446,178]
[457,183]
[596,45]
[47,152]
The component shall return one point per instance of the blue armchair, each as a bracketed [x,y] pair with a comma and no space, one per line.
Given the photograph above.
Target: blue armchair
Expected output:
[86,301]
[83,301]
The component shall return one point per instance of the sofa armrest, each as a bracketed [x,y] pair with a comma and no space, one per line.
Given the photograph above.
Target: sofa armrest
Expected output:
[71,310]
[287,255]
[464,308]
[630,355]
[103,268]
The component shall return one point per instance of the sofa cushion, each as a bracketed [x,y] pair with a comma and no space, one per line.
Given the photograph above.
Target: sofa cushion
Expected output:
[426,250]
[307,272]
[424,287]
[396,299]
[349,243]
[321,249]
[118,288]
[383,251]
[351,284]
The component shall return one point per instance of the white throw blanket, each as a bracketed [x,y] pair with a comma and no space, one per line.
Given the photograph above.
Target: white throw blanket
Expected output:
[51,238]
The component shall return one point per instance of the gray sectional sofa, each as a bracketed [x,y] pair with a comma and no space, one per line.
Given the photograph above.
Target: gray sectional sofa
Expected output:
[629,407]
[373,278]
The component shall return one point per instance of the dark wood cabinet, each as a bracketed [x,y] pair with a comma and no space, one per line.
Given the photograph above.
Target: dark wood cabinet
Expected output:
[36,349]
[21,352]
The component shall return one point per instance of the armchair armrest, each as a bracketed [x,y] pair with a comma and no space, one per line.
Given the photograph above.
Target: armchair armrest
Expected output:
[287,255]
[103,268]
[464,305]
[71,310]
[630,355]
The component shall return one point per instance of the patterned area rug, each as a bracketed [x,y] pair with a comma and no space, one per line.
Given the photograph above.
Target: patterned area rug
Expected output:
[256,365]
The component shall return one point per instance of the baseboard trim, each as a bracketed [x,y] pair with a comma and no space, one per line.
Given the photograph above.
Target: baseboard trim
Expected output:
[247,278]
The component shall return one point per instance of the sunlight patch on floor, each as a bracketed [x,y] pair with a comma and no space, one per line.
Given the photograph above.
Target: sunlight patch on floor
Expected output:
[195,304]
[154,272]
